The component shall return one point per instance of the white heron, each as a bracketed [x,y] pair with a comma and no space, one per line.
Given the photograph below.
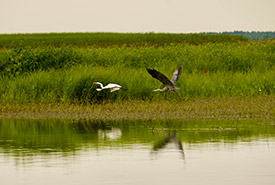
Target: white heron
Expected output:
[111,86]
[169,84]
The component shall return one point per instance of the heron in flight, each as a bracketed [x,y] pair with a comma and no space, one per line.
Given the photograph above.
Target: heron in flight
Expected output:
[112,87]
[169,84]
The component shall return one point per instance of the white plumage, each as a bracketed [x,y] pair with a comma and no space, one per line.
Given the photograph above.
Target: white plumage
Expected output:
[111,86]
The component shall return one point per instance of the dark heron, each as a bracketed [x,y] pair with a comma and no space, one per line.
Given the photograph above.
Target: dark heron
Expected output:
[169,84]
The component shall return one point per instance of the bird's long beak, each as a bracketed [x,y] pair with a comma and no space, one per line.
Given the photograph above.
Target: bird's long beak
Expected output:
[94,83]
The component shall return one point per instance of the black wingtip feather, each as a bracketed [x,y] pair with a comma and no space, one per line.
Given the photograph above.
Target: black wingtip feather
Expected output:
[152,72]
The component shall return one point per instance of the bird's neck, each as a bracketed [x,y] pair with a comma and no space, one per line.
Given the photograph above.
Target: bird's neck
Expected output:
[101,85]
[160,89]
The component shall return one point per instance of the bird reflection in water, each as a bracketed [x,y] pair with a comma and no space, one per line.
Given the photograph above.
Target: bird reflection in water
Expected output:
[167,138]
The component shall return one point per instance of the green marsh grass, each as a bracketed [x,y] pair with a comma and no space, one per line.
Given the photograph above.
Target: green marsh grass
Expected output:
[83,40]
[52,75]
[206,58]
[76,85]
[66,74]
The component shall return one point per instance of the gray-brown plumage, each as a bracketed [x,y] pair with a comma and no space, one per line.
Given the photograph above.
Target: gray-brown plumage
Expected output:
[169,84]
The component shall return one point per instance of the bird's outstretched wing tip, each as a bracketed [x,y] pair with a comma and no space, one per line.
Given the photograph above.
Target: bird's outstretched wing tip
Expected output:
[150,71]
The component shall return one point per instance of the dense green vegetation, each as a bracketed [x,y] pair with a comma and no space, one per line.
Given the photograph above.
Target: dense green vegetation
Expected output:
[62,67]
[96,40]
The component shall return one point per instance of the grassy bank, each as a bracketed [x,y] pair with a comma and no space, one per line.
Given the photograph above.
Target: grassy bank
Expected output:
[61,68]
[260,108]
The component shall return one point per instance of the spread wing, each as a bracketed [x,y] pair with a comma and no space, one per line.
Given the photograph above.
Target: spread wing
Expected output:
[176,74]
[161,77]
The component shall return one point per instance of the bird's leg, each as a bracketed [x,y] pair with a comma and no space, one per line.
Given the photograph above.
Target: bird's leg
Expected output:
[176,94]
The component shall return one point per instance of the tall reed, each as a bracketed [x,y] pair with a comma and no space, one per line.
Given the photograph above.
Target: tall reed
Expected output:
[234,57]
[76,85]
[83,40]
[63,67]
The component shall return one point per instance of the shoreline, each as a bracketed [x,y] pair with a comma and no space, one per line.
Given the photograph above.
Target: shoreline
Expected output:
[254,108]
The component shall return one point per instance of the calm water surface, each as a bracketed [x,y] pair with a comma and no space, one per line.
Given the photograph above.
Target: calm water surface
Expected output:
[64,152]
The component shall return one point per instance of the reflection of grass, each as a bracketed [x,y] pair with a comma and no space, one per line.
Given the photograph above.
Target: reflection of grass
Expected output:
[43,136]
[26,140]
[50,136]
[257,108]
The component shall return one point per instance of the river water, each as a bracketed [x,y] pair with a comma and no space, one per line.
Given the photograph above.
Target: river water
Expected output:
[42,152]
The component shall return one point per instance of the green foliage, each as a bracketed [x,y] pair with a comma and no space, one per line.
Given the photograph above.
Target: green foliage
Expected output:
[76,85]
[63,67]
[235,57]
[19,61]
[82,40]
